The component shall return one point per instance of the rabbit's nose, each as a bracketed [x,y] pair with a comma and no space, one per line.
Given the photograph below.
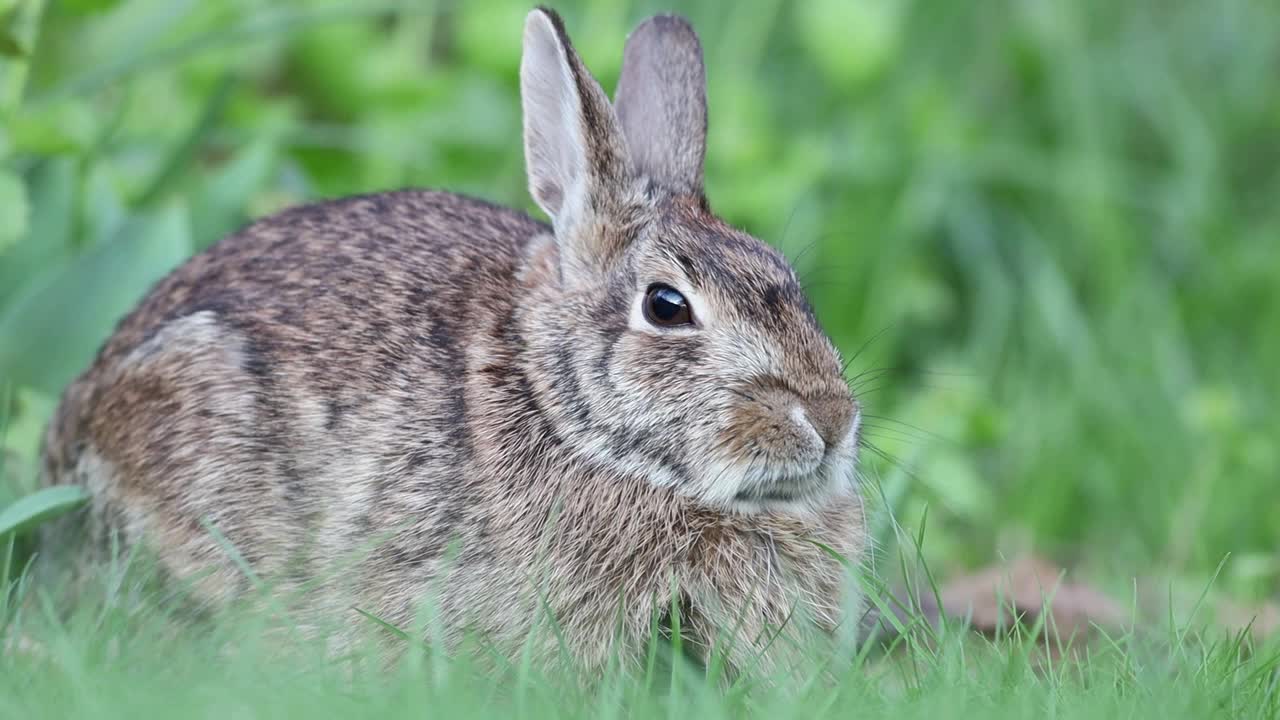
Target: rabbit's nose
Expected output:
[831,417]
[806,426]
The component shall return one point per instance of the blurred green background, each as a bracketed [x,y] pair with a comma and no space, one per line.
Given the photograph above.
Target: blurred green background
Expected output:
[1048,228]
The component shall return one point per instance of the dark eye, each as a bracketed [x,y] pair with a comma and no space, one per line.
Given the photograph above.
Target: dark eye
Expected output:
[664,306]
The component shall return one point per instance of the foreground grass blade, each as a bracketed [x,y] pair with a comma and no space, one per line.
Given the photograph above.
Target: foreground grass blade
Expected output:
[40,506]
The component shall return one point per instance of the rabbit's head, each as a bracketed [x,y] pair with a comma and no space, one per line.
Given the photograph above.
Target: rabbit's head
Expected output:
[663,341]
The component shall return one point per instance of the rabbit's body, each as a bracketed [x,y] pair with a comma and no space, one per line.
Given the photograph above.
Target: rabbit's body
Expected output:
[468,405]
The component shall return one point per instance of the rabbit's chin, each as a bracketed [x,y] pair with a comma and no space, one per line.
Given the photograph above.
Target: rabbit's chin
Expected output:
[747,488]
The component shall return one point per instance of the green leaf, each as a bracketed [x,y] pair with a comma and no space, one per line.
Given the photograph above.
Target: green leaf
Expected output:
[851,41]
[488,35]
[64,126]
[180,155]
[88,7]
[29,413]
[40,506]
[221,201]
[47,244]
[9,45]
[15,211]
[51,331]
[102,206]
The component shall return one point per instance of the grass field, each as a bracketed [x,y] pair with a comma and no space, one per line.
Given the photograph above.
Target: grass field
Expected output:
[1050,231]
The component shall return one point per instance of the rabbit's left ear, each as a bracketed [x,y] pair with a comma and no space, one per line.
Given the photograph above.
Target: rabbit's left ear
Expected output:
[571,138]
[661,102]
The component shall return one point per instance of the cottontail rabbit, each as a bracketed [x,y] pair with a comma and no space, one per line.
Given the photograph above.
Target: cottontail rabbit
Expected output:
[580,418]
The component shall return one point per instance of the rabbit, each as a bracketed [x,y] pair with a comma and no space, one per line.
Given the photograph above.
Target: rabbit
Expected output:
[628,412]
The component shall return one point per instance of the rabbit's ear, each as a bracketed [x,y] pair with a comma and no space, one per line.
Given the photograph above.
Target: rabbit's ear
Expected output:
[662,102]
[574,152]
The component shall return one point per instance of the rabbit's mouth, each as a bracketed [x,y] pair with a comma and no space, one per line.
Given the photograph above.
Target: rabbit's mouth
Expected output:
[783,492]
[816,484]
[802,484]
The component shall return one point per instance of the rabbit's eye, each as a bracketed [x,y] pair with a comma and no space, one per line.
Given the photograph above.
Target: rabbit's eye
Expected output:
[664,306]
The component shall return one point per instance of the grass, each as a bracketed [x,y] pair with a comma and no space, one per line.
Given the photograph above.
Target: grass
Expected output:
[125,653]
[1048,230]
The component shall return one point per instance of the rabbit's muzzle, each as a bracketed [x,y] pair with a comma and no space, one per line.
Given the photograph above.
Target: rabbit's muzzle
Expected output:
[788,445]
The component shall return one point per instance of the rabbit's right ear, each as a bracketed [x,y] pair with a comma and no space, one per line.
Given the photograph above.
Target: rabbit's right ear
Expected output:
[661,102]
[574,150]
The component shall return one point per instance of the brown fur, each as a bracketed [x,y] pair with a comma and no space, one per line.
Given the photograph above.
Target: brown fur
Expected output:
[430,370]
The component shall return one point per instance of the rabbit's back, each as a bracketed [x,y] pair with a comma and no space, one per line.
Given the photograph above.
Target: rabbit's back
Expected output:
[282,385]
[324,279]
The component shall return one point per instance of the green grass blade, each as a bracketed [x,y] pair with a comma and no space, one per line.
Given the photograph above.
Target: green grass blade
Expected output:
[42,505]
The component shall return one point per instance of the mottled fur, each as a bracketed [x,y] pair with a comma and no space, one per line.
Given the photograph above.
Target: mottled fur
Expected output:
[431,371]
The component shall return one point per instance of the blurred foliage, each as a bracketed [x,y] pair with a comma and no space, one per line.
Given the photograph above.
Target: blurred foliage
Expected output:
[1049,230]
